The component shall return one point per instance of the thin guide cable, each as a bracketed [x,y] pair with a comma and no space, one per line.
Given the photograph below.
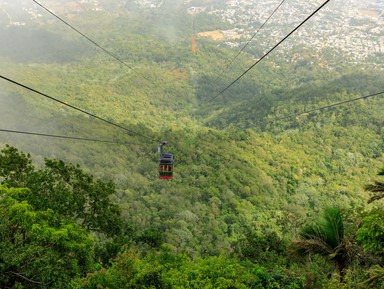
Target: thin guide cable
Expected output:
[327,106]
[64,137]
[74,107]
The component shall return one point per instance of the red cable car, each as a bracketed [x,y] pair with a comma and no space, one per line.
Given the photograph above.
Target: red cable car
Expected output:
[165,164]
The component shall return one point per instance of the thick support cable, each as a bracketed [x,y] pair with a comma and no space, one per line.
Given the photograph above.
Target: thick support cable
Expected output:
[273,48]
[64,137]
[90,40]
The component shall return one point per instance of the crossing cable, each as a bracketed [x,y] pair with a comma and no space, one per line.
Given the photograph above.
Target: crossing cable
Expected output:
[246,44]
[90,40]
[328,106]
[65,137]
[273,48]
[323,107]
[74,107]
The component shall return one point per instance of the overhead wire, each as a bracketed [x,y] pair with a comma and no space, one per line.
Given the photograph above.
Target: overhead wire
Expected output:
[247,43]
[125,143]
[75,108]
[226,88]
[327,106]
[71,106]
[93,42]
[269,51]
[321,108]
[64,137]
[90,40]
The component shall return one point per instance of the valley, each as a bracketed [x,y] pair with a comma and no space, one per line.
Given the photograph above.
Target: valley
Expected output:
[257,169]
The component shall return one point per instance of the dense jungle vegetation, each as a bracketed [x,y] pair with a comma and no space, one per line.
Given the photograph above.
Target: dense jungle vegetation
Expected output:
[257,200]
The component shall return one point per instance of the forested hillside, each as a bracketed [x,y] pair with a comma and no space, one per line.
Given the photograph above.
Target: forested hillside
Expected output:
[277,180]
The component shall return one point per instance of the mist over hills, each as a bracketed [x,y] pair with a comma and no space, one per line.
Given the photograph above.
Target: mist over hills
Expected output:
[247,177]
[169,85]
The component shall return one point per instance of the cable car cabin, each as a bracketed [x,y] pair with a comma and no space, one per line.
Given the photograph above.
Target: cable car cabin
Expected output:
[166,166]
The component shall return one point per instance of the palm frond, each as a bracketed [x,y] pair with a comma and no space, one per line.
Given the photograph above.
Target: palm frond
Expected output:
[375,277]
[333,227]
[325,237]
[378,189]
[308,246]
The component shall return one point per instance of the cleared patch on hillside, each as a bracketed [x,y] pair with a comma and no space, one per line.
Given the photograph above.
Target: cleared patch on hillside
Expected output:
[218,35]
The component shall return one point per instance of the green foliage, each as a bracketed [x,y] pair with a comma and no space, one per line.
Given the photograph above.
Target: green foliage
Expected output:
[52,218]
[330,228]
[152,237]
[65,189]
[37,251]
[371,236]
[14,167]
[165,270]
[263,247]
[371,232]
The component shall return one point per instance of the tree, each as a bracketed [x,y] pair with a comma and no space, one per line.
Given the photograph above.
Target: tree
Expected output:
[164,269]
[37,251]
[64,188]
[73,195]
[14,167]
[326,238]
[265,246]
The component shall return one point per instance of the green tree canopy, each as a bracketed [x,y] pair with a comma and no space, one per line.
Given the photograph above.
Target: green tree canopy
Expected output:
[64,188]
[37,248]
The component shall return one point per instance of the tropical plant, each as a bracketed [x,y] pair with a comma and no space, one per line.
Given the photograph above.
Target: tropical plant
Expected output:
[327,238]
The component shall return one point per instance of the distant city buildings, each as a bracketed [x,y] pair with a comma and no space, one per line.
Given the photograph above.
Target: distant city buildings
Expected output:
[354,28]
[351,27]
